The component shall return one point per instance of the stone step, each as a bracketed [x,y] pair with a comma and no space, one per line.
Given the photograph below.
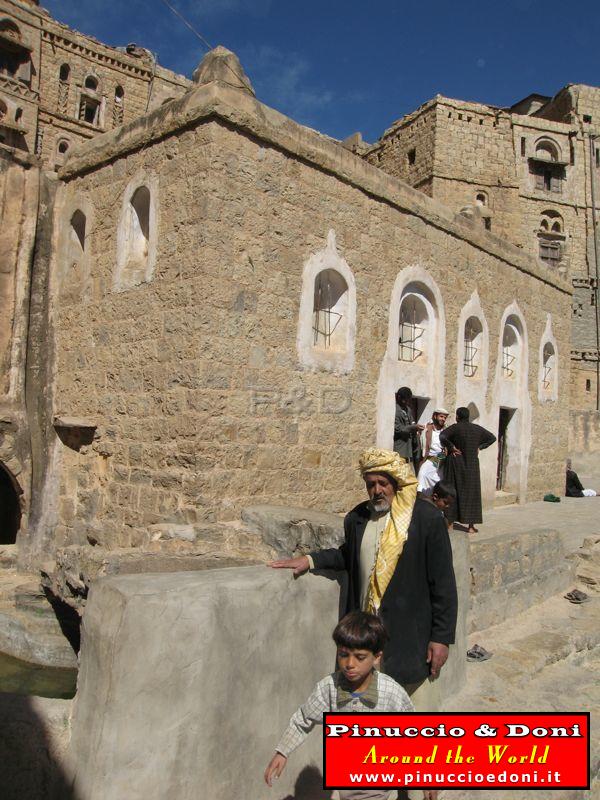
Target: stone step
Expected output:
[511,572]
[30,599]
[504,499]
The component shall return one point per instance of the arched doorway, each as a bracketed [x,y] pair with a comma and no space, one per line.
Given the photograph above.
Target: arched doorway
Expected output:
[10,507]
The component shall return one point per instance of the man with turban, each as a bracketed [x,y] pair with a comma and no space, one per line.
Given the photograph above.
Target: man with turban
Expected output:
[397,554]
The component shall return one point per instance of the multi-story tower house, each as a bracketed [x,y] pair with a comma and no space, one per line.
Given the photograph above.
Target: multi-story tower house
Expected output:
[531,174]
[59,87]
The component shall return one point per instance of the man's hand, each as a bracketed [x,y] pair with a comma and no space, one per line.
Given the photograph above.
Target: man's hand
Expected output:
[417,428]
[275,768]
[437,654]
[300,565]
[430,794]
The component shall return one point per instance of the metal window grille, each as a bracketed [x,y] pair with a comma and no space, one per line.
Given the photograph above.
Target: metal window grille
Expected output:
[546,377]
[325,319]
[410,334]
[507,360]
[469,365]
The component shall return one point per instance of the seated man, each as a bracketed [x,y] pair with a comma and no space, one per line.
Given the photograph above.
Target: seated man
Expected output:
[573,486]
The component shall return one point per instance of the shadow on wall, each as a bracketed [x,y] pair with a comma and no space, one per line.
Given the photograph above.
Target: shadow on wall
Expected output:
[29,752]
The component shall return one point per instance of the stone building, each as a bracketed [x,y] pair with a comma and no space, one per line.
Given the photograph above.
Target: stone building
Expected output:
[529,173]
[214,305]
[59,88]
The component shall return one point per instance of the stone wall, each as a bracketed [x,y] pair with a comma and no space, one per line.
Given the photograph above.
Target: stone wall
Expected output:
[584,432]
[193,380]
[188,681]
[19,194]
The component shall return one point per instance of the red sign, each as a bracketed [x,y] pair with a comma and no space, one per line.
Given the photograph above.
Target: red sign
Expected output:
[451,751]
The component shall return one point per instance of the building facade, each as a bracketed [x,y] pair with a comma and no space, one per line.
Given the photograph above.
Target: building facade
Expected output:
[59,88]
[212,306]
[531,174]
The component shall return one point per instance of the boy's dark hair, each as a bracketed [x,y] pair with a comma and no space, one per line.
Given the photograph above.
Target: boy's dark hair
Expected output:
[442,489]
[462,414]
[360,631]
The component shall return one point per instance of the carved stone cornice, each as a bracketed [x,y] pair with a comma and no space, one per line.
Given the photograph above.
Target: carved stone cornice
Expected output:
[584,355]
[95,54]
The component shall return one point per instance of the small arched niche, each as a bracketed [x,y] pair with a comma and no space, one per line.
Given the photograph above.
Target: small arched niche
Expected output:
[473,348]
[136,239]
[64,73]
[78,223]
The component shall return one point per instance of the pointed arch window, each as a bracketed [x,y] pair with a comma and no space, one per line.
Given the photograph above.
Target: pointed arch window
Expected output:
[473,346]
[330,310]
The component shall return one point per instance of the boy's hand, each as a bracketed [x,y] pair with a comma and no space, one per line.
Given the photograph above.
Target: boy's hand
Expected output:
[276,767]
[300,565]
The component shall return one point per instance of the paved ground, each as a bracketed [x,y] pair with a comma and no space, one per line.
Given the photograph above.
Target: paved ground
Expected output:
[547,658]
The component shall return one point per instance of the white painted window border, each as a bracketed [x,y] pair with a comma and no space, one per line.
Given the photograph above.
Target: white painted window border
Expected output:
[315,358]
[548,395]
[151,182]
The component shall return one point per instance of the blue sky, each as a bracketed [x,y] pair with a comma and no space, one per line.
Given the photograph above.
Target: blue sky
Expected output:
[342,66]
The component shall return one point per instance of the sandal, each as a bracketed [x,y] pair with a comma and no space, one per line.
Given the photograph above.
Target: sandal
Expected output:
[477,653]
[576,596]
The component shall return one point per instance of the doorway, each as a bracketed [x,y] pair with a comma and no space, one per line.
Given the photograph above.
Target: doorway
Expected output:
[505,416]
[418,406]
[10,507]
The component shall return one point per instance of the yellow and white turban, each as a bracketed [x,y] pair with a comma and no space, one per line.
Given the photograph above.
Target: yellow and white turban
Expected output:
[395,533]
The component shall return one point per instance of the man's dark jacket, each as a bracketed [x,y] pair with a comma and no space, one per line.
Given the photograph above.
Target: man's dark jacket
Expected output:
[420,603]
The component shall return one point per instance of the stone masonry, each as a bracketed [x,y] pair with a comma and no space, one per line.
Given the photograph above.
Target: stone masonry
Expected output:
[191,382]
[483,160]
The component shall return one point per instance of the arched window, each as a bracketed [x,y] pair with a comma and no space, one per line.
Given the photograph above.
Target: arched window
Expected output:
[473,346]
[547,150]
[481,198]
[412,328]
[15,56]
[3,110]
[119,105]
[546,167]
[415,324]
[136,239]
[78,222]
[551,237]
[548,368]
[91,83]
[18,115]
[512,339]
[63,147]
[330,311]
[327,318]
[64,76]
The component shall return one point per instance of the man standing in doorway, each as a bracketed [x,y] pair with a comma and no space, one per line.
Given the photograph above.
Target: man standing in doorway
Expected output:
[464,440]
[433,452]
[406,430]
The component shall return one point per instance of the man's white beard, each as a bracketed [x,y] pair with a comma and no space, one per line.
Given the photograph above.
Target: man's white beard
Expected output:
[380,506]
